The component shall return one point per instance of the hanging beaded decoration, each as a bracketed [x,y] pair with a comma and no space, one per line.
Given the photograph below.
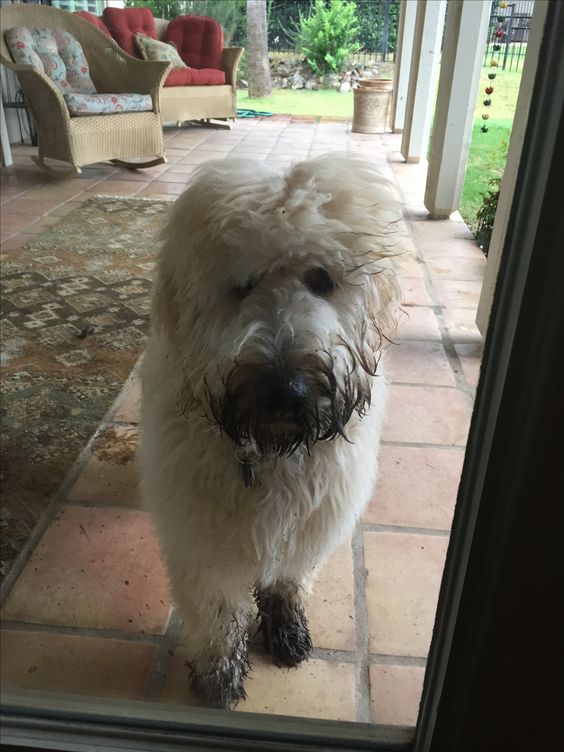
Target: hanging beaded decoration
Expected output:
[498,36]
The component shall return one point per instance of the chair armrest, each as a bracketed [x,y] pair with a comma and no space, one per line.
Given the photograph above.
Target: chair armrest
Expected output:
[44,98]
[230,62]
[114,71]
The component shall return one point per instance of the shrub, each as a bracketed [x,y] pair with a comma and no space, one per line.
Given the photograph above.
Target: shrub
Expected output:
[327,37]
[485,216]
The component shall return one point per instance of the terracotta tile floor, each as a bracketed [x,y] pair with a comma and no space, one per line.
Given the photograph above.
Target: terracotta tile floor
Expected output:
[90,611]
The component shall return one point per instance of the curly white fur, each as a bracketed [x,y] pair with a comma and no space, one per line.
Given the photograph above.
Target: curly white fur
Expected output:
[230,300]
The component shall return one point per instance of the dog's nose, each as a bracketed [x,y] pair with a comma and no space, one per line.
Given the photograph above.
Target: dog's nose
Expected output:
[284,396]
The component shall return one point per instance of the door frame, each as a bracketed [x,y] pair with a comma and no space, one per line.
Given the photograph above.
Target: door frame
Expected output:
[490,657]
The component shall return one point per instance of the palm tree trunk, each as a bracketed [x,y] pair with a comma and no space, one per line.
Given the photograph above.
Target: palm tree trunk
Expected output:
[260,84]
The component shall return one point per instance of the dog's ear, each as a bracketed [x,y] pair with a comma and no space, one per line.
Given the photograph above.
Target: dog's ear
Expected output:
[164,309]
[383,303]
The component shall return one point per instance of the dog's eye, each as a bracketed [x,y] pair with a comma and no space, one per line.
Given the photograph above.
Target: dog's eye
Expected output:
[241,291]
[318,281]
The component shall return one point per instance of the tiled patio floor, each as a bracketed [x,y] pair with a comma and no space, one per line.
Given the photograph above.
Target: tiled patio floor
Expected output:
[90,612]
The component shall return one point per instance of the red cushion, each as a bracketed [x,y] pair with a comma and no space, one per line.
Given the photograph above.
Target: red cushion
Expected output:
[199,40]
[195,77]
[94,20]
[123,23]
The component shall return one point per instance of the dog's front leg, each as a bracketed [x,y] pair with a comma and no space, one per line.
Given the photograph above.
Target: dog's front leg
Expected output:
[216,638]
[283,622]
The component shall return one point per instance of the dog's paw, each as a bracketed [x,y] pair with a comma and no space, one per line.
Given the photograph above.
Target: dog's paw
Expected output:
[222,683]
[285,630]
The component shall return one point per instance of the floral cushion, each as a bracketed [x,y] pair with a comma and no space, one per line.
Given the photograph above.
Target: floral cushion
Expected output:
[153,49]
[56,53]
[107,104]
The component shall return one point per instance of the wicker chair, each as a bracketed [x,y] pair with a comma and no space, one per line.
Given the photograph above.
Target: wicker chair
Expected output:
[119,138]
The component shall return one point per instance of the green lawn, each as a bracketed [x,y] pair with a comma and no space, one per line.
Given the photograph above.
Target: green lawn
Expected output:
[489,150]
[485,162]
[324,103]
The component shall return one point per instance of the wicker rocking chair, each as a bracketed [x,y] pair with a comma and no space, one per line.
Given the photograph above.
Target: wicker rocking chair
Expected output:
[120,138]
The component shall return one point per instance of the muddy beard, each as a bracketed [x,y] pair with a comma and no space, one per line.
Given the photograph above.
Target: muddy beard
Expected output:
[325,420]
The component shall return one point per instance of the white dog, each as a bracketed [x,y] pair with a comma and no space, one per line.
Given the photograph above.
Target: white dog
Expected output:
[261,405]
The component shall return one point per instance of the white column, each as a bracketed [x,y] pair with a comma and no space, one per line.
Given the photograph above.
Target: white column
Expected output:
[532,61]
[466,30]
[421,91]
[404,48]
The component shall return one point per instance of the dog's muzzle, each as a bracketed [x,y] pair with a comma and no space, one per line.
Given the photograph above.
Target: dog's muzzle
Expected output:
[278,408]
[274,409]
[276,421]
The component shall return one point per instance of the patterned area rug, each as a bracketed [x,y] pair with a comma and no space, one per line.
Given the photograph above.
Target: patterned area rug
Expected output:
[74,314]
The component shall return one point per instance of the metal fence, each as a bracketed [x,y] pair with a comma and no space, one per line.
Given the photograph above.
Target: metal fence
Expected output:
[508,34]
[377,20]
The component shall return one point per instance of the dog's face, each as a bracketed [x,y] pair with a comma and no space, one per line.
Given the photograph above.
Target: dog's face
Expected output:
[277,293]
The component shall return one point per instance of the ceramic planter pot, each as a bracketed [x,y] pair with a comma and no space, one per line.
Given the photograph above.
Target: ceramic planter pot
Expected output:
[372,105]
[382,84]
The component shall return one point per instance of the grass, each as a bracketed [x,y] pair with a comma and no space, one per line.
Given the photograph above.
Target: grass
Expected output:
[304,103]
[486,161]
[488,151]
[323,103]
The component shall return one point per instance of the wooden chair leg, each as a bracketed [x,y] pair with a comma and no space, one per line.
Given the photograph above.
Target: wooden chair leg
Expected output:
[72,172]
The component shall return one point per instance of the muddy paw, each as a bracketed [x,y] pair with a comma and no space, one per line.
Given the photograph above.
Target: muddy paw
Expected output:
[284,627]
[222,683]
